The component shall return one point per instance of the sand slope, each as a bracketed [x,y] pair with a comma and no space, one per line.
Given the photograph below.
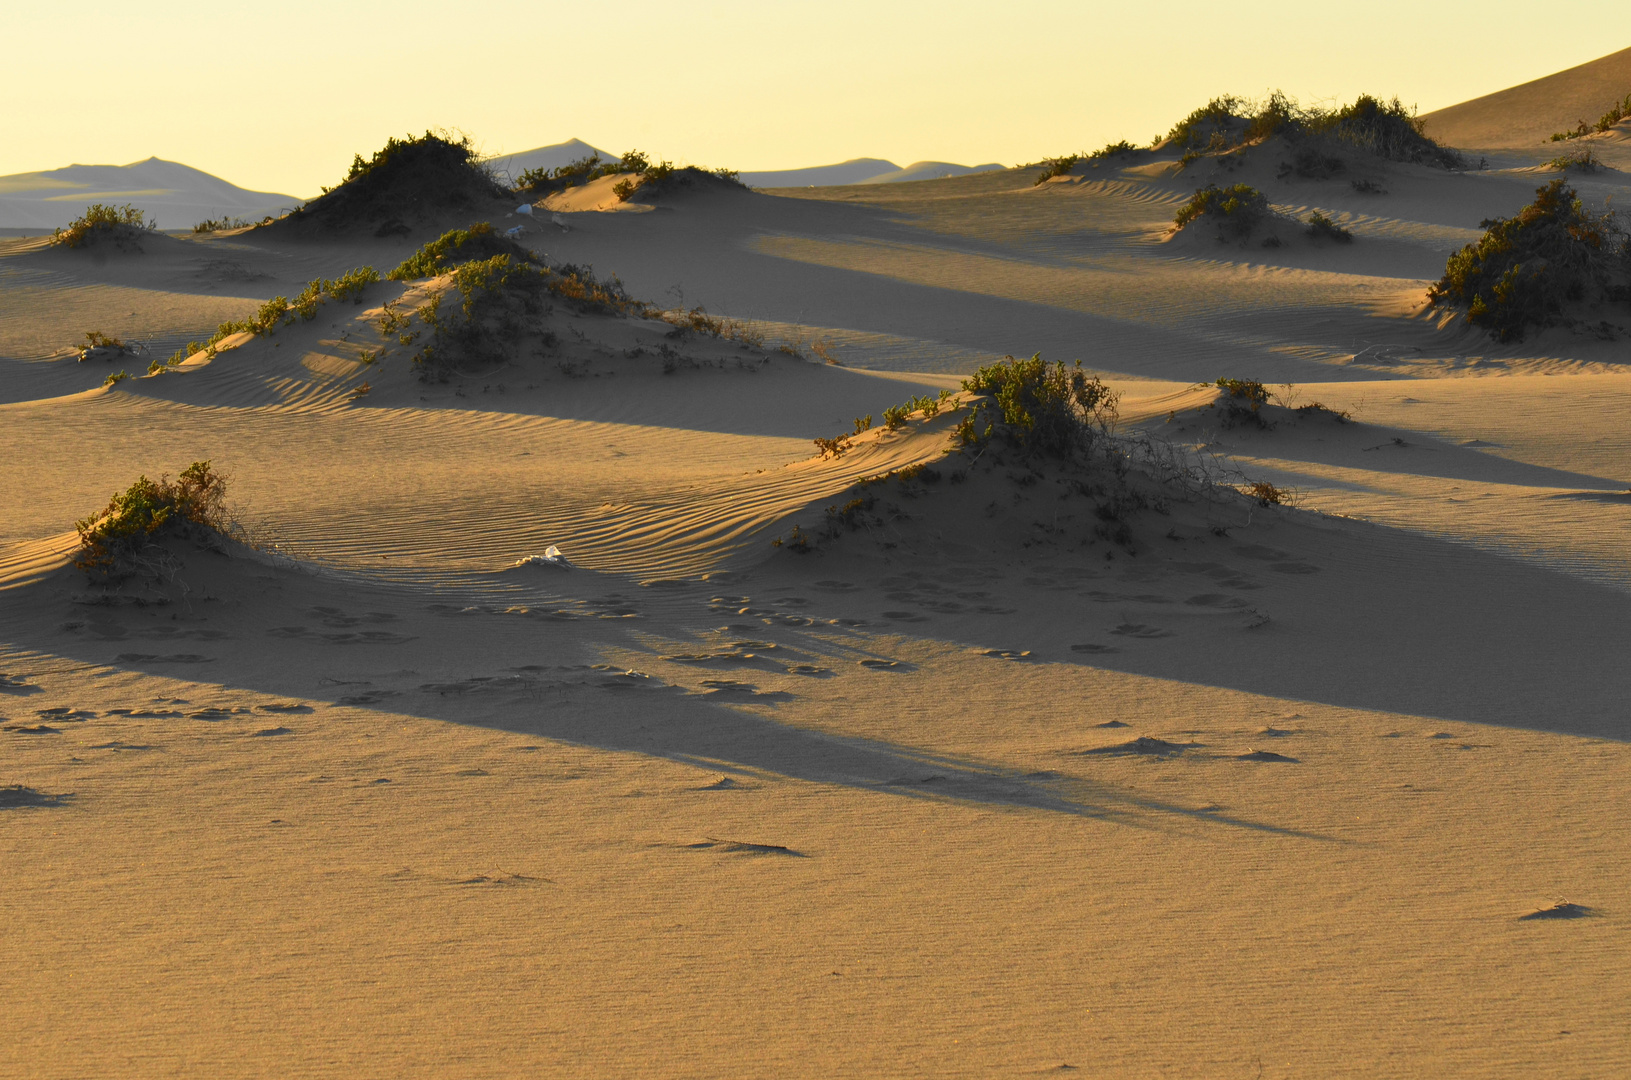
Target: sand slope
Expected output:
[1525,116]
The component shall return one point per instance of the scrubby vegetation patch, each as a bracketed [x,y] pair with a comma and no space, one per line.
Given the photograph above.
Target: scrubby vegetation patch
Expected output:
[124,226]
[116,542]
[1386,129]
[1532,269]
[1236,210]
[1619,111]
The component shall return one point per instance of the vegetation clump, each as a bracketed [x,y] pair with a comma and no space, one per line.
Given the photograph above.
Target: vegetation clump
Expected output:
[115,542]
[100,346]
[280,311]
[1112,150]
[1236,210]
[1385,129]
[209,225]
[665,178]
[1529,270]
[123,225]
[479,241]
[1321,227]
[1043,408]
[1583,160]
[1059,166]
[1619,111]
[1242,401]
[408,179]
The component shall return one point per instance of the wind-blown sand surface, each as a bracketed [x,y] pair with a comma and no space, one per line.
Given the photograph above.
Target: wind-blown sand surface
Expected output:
[968,790]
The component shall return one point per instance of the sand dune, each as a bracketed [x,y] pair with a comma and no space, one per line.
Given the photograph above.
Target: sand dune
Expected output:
[1524,117]
[908,752]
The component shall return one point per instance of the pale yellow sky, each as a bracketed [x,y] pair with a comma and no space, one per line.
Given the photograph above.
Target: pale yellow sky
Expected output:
[279,97]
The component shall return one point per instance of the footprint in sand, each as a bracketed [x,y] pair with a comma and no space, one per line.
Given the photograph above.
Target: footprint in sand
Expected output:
[63,712]
[1005,654]
[16,796]
[149,658]
[1140,630]
[31,729]
[809,669]
[1264,755]
[268,732]
[1144,745]
[887,665]
[731,688]
[742,847]
[1560,909]
[1090,647]
[284,707]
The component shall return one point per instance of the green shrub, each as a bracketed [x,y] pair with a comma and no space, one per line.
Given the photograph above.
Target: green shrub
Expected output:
[1385,129]
[1243,402]
[1221,116]
[115,379]
[121,224]
[405,178]
[1110,150]
[1059,166]
[1045,408]
[1236,210]
[1620,111]
[894,417]
[210,225]
[1321,227]
[1583,160]
[111,542]
[479,241]
[1527,270]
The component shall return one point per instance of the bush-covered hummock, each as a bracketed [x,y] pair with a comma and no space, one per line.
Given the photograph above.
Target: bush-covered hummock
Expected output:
[112,542]
[124,225]
[1235,210]
[1529,269]
[455,246]
[1045,408]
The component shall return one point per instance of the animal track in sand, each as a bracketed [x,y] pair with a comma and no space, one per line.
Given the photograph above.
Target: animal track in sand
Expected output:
[742,847]
[362,637]
[1140,630]
[149,658]
[1145,745]
[16,796]
[63,712]
[1560,909]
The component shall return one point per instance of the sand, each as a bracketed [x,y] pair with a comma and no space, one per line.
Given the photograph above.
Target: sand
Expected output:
[1328,790]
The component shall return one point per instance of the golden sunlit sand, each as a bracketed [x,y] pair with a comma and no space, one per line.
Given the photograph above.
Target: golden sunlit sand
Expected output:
[1262,730]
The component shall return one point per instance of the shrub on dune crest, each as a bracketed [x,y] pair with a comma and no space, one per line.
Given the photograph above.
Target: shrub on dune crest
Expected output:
[1620,111]
[1385,129]
[1530,269]
[1059,166]
[479,241]
[1046,408]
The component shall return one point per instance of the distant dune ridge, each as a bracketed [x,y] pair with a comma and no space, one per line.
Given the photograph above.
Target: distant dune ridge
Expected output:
[1526,116]
[545,157]
[861,171]
[178,195]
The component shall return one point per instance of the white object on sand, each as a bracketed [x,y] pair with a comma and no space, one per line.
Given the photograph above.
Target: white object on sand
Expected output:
[551,557]
[524,208]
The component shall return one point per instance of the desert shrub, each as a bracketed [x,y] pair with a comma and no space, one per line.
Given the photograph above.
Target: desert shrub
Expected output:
[100,346]
[115,379]
[1267,494]
[573,174]
[351,284]
[437,256]
[1582,160]
[1059,166]
[1236,210]
[1221,116]
[280,311]
[1110,150]
[894,417]
[698,321]
[1619,111]
[1528,269]
[112,542]
[121,224]
[209,225]
[1045,408]
[411,177]
[833,448]
[1385,129]
[1321,227]
[665,177]
[1242,401]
